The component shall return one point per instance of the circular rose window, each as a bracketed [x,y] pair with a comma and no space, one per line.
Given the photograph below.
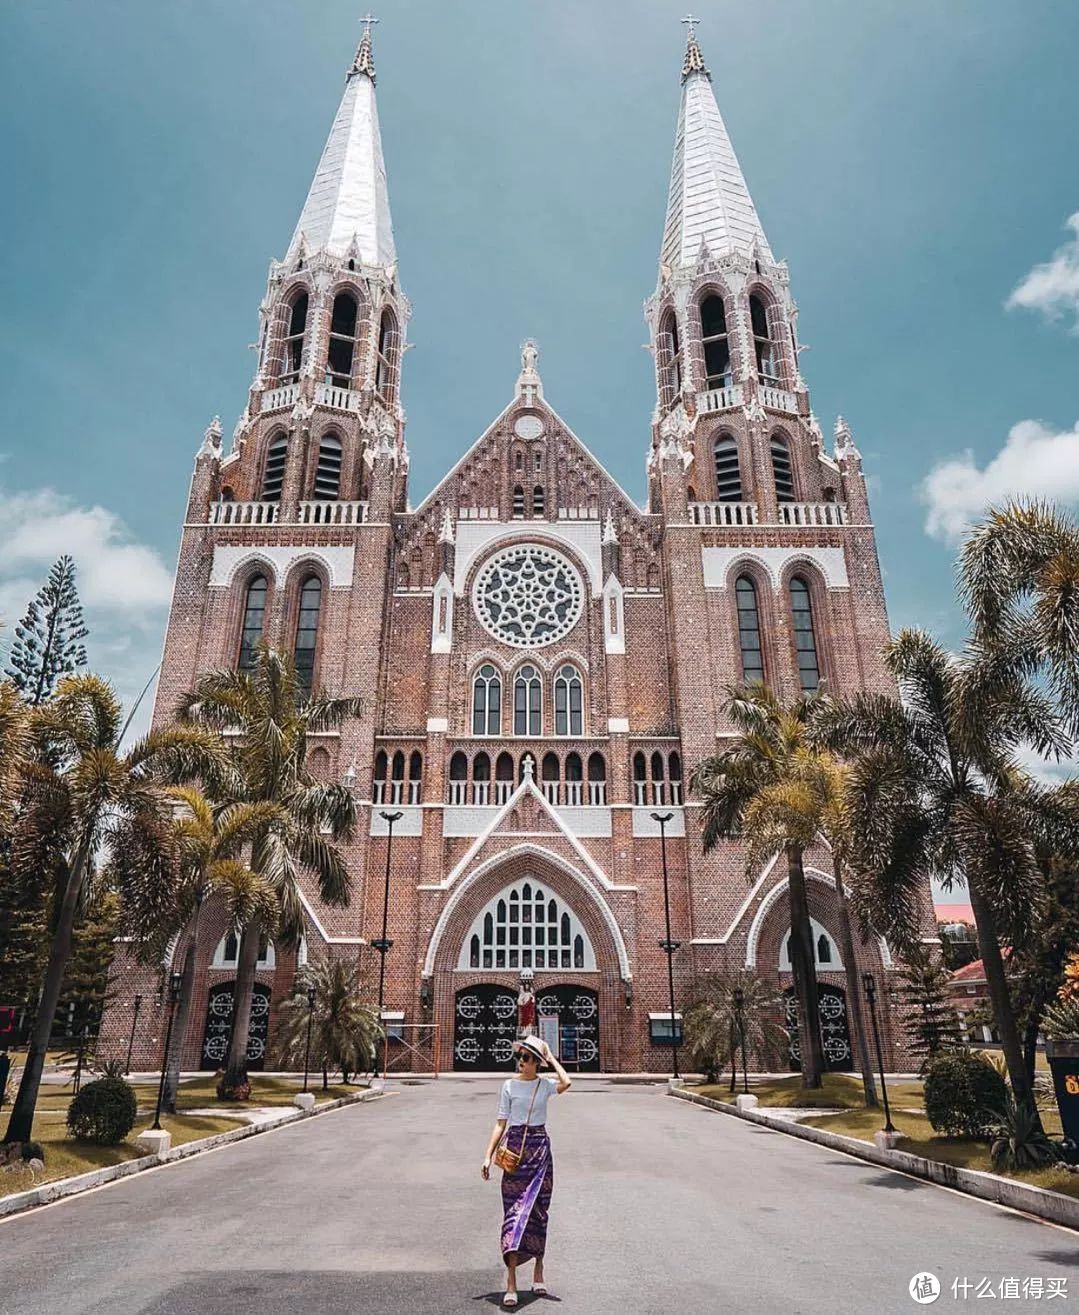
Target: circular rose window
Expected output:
[528,596]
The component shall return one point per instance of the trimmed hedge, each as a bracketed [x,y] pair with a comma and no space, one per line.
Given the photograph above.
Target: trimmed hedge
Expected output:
[103,1112]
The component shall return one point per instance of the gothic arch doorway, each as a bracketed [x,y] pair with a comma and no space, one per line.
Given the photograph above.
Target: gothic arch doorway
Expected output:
[218,1029]
[834,1029]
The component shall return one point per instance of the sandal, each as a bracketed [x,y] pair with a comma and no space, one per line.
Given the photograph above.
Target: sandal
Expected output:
[540,1289]
[509,1301]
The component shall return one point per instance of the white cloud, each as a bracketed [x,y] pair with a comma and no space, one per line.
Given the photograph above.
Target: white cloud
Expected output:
[123,584]
[1053,288]
[1036,461]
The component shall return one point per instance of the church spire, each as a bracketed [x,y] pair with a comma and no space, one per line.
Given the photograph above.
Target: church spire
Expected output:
[347,210]
[708,202]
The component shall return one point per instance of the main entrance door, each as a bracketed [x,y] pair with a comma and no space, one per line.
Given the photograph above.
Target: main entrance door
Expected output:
[834,1031]
[485,1027]
[215,1038]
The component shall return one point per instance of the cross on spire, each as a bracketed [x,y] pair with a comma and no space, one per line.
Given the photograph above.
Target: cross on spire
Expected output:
[694,60]
[364,61]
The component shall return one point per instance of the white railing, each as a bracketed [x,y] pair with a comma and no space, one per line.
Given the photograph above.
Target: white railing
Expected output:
[458,793]
[477,513]
[550,791]
[378,792]
[503,790]
[244,513]
[653,793]
[332,513]
[277,399]
[811,513]
[723,513]
[481,793]
[597,794]
[574,794]
[578,514]
[719,399]
[341,399]
[778,399]
[415,789]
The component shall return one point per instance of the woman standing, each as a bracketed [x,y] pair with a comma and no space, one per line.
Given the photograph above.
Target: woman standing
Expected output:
[526,1192]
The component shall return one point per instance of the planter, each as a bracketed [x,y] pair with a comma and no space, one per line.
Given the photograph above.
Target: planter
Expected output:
[1063,1057]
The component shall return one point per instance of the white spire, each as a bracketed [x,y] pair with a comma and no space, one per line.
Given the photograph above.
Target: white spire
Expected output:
[708,202]
[349,198]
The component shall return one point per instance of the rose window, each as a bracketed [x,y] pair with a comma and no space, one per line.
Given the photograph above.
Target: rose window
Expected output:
[528,596]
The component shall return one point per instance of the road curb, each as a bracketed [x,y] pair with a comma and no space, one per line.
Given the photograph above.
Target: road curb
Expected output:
[1052,1206]
[17,1202]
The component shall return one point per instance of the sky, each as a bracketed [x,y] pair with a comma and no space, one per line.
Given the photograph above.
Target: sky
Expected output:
[915,162]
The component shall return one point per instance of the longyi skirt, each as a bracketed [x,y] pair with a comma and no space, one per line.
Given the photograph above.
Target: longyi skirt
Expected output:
[526,1194]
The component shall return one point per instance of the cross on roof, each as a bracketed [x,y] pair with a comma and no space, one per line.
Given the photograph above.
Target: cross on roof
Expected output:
[368,20]
[691,23]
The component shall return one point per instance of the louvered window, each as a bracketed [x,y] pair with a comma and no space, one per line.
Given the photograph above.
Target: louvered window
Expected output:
[782,470]
[328,470]
[538,500]
[728,471]
[273,480]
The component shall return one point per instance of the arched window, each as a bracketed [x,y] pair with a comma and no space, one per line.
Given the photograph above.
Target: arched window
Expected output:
[717,352]
[481,779]
[568,702]
[227,952]
[805,640]
[728,471]
[527,702]
[487,701]
[640,779]
[458,778]
[503,778]
[378,792]
[782,470]
[825,950]
[674,772]
[415,777]
[574,780]
[525,928]
[292,357]
[397,773]
[669,352]
[388,353]
[764,348]
[538,500]
[328,470]
[518,502]
[749,629]
[597,779]
[342,341]
[254,619]
[550,772]
[273,479]
[307,634]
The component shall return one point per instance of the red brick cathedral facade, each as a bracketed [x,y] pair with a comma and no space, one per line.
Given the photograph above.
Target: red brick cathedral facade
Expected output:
[543,662]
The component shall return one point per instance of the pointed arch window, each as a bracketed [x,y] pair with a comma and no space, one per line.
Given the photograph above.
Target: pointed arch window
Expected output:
[328,470]
[728,470]
[389,350]
[525,927]
[782,469]
[597,779]
[763,346]
[805,639]
[670,362]
[292,358]
[487,701]
[640,778]
[378,792]
[415,777]
[539,500]
[458,778]
[574,780]
[749,629]
[273,479]
[717,350]
[568,702]
[518,502]
[527,702]
[253,622]
[342,341]
[307,634]
[503,778]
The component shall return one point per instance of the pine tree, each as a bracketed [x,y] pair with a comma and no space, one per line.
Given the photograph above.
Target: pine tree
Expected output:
[24,937]
[48,640]
[86,979]
[931,1022]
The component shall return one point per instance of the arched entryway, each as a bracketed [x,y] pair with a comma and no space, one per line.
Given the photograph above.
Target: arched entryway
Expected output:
[835,1031]
[215,1037]
[485,1026]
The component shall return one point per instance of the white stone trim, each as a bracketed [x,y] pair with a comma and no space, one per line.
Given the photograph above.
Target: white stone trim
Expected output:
[835,964]
[442,637]
[475,538]
[437,725]
[614,637]
[218,959]
[576,928]
[766,905]
[718,564]
[644,825]
[231,558]
[617,725]
[409,824]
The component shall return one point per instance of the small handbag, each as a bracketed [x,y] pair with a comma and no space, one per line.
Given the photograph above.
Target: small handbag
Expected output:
[508,1160]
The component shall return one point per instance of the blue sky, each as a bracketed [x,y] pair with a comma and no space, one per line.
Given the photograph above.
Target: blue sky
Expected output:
[914,162]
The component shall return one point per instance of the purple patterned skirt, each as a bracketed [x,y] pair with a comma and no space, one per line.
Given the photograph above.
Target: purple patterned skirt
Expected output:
[526,1194]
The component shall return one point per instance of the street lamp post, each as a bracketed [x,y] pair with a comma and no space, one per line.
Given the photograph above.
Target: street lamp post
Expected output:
[383,945]
[131,1038]
[311,993]
[668,945]
[870,986]
[739,1011]
[176,982]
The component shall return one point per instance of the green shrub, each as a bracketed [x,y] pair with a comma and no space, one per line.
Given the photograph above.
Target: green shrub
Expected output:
[103,1112]
[1019,1141]
[964,1096]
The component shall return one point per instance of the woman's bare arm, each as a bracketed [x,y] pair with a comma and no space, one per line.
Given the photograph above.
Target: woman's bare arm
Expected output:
[496,1137]
[564,1082]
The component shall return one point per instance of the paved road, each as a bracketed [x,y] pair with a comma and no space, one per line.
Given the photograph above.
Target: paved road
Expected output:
[659,1207]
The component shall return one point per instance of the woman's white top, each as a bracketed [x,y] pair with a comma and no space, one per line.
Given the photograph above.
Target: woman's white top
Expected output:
[516,1097]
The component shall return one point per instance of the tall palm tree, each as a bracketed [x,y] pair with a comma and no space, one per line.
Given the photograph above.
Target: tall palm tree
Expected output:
[745,792]
[81,791]
[269,722]
[934,788]
[344,1030]
[211,840]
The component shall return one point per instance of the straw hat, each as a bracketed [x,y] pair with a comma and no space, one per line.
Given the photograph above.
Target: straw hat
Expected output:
[533,1045]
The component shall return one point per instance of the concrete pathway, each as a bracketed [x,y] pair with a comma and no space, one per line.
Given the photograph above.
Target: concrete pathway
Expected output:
[659,1207]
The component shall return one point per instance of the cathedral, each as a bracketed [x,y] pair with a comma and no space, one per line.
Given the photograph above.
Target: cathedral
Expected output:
[542,661]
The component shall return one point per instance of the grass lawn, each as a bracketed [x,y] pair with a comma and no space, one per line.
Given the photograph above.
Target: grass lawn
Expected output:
[839,1092]
[201,1093]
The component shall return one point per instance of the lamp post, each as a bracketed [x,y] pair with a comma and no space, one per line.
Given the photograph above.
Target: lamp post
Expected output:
[739,1012]
[870,986]
[131,1038]
[668,945]
[383,945]
[311,994]
[176,982]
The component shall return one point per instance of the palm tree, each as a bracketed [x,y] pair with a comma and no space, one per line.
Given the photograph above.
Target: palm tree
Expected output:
[934,788]
[745,792]
[264,712]
[344,1030]
[81,792]
[715,1021]
[210,840]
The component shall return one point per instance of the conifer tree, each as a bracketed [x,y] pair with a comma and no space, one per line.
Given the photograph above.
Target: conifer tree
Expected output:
[931,1022]
[48,640]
